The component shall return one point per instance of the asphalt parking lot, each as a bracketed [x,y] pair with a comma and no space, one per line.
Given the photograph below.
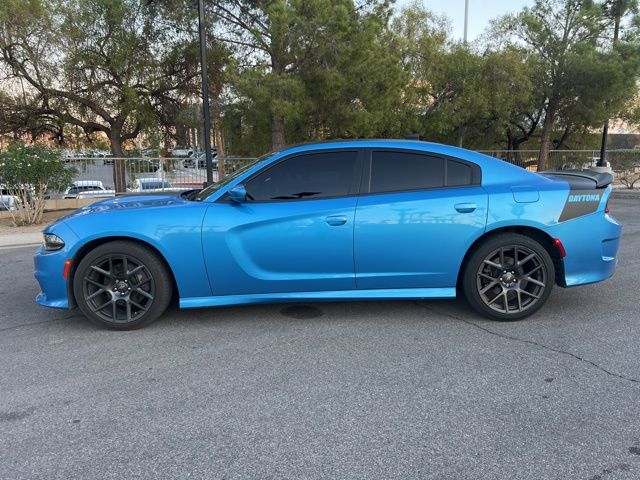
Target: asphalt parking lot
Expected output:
[328,390]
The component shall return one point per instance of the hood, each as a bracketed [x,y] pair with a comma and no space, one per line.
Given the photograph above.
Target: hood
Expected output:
[129,202]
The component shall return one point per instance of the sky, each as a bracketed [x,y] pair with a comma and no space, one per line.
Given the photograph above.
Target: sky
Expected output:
[480,12]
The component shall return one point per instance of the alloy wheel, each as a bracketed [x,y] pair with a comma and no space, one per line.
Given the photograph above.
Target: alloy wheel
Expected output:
[118,288]
[511,279]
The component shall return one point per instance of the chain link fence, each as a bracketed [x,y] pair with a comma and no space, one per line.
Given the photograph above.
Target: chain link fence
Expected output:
[624,163]
[94,177]
[568,159]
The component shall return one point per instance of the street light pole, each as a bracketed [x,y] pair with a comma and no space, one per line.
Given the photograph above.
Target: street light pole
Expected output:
[617,11]
[461,128]
[466,20]
[205,92]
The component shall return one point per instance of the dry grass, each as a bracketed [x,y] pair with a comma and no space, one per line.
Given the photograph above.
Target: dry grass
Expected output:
[7,226]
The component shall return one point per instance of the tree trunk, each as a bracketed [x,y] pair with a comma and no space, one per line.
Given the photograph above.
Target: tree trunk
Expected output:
[181,135]
[558,144]
[277,133]
[545,139]
[216,126]
[119,172]
[509,136]
[461,131]
[517,143]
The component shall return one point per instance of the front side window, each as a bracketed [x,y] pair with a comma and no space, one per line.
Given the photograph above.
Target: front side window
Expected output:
[401,171]
[314,175]
[205,192]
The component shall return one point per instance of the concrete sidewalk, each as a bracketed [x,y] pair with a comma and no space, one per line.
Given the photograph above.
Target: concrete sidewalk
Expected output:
[626,193]
[26,235]
[22,239]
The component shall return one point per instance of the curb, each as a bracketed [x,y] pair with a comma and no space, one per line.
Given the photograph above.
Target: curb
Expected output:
[19,245]
[17,240]
[635,194]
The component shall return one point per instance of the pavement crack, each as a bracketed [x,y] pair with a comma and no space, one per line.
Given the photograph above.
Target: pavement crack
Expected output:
[543,346]
[14,327]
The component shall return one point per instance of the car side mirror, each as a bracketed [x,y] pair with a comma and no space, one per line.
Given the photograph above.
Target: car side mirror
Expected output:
[238,194]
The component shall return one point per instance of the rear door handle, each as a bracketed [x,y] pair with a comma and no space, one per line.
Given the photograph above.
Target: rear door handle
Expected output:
[465,207]
[336,220]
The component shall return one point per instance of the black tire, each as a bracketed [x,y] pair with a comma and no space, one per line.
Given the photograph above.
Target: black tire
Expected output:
[130,299]
[519,288]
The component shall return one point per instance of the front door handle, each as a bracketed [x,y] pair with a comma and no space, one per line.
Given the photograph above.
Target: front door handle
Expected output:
[465,207]
[336,220]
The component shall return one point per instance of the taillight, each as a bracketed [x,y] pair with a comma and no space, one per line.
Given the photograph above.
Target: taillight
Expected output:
[560,247]
[606,208]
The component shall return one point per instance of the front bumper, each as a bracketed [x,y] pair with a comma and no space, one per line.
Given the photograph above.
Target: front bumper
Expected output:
[591,243]
[49,268]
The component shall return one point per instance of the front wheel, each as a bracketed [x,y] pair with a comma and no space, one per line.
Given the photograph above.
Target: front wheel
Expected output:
[122,285]
[508,277]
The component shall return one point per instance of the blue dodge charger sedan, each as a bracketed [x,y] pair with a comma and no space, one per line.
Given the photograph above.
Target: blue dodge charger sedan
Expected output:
[349,220]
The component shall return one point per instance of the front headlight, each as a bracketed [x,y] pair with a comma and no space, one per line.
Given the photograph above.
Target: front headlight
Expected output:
[52,242]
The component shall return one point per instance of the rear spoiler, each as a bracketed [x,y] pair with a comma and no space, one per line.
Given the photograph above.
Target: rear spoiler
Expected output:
[581,179]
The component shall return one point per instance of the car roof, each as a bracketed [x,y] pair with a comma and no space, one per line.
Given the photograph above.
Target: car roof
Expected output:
[416,145]
[88,183]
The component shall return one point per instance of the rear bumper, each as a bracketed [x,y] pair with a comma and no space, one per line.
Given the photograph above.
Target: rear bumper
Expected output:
[591,243]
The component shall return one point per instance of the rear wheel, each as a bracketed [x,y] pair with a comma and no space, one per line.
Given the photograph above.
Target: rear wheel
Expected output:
[122,285]
[508,277]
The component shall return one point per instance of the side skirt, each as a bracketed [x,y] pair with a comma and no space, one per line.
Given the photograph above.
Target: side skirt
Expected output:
[338,295]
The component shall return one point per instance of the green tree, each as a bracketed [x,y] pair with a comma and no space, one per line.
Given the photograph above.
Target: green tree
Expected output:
[96,64]
[423,43]
[311,69]
[456,93]
[617,10]
[21,117]
[566,37]
[27,172]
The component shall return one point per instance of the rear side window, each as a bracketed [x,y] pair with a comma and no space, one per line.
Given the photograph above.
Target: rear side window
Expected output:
[399,171]
[458,174]
[396,171]
[315,175]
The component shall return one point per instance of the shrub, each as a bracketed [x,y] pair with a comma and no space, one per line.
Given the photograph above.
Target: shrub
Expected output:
[627,169]
[27,172]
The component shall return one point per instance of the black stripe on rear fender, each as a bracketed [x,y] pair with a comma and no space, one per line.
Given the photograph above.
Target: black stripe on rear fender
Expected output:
[581,202]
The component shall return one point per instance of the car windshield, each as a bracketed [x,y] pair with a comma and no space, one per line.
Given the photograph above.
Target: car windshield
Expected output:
[204,193]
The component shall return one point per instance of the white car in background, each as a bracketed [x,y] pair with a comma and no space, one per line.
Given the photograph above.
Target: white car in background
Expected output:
[182,152]
[150,152]
[149,185]
[8,203]
[199,160]
[12,198]
[88,189]
[100,153]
